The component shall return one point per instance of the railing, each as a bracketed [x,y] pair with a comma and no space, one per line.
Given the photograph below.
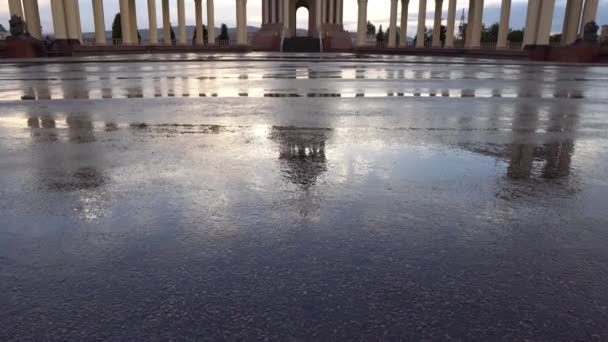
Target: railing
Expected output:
[488,45]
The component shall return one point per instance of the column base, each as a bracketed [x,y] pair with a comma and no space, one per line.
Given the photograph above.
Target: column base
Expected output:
[22,48]
[537,52]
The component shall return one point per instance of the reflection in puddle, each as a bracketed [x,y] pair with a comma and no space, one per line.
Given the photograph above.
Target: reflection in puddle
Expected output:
[302,153]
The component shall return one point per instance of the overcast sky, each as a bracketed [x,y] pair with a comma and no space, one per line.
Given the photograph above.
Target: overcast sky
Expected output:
[225,12]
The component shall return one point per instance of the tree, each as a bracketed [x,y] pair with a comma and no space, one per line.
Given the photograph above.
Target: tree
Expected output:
[117,27]
[224,33]
[205,35]
[516,36]
[489,34]
[555,38]
[590,32]
[462,31]
[380,35]
[371,28]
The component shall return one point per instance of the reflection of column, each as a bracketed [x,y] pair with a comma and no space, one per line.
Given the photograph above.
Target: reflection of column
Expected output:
[32,18]
[503,26]
[404,13]
[571,21]
[98,18]
[14,8]
[421,24]
[181,22]
[392,31]
[210,23]
[198,8]
[166,23]
[59,23]
[437,24]
[152,22]
[589,13]
[361,24]
[125,24]
[449,35]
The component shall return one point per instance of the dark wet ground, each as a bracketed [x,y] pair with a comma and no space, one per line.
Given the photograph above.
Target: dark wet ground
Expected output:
[323,199]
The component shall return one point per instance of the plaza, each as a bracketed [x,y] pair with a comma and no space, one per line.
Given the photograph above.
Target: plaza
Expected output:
[302,197]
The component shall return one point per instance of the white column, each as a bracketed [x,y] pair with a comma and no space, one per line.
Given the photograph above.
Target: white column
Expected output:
[331,11]
[361,23]
[181,22]
[14,8]
[166,23]
[532,18]
[210,23]
[152,22]
[404,12]
[241,22]
[98,18]
[133,22]
[340,12]
[198,8]
[449,34]
[503,26]
[589,13]
[59,23]
[319,15]
[475,41]
[392,31]
[470,19]
[32,18]
[272,11]
[421,24]
[125,23]
[265,12]
[71,16]
[545,23]
[286,12]
[437,24]
[572,18]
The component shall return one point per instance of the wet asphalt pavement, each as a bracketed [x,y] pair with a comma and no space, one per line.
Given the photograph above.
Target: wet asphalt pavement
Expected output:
[252,197]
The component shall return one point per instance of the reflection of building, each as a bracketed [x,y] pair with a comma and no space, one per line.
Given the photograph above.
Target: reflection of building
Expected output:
[74,166]
[302,153]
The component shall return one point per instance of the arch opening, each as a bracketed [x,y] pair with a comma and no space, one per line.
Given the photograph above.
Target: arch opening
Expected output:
[302,21]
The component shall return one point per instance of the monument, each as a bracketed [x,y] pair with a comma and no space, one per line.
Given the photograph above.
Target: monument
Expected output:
[20,44]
